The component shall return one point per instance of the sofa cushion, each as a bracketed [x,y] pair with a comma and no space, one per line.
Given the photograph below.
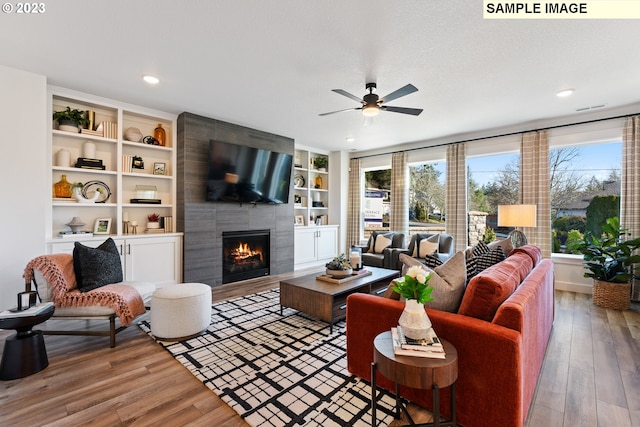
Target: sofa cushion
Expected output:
[505,244]
[95,267]
[491,287]
[425,245]
[448,281]
[432,261]
[534,253]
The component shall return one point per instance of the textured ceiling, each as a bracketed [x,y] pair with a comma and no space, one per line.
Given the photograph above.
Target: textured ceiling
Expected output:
[271,64]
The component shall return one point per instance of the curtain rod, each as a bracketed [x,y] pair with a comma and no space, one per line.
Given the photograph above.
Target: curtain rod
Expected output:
[444,144]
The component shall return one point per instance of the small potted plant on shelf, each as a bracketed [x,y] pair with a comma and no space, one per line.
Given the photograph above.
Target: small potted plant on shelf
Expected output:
[153,221]
[609,260]
[339,267]
[321,163]
[70,120]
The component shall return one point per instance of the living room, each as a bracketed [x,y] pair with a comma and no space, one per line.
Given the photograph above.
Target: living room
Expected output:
[285,65]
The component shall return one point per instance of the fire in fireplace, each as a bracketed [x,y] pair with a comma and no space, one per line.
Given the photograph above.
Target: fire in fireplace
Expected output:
[245,255]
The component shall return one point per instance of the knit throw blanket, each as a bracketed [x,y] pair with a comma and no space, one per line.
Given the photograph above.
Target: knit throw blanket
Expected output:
[58,271]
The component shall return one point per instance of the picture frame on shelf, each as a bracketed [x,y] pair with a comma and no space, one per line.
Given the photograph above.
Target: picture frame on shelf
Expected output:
[102,226]
[159,168]
[299,220]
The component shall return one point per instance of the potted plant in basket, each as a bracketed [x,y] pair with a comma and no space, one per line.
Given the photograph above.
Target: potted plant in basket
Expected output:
[70,120]
[609,261]
[339,267]
[415,289]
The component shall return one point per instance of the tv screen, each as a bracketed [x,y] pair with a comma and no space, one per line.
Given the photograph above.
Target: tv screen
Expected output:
[237,173]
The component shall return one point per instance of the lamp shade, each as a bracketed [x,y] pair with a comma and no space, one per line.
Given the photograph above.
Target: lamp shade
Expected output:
[517,215]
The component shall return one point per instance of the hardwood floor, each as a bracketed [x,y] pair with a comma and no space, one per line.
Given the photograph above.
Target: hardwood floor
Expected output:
[591,376]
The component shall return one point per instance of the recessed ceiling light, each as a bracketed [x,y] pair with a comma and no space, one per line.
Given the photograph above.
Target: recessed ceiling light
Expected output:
[150,79]
[564,93]
[351,139]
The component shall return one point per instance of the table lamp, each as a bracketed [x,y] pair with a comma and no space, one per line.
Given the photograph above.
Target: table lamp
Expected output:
[517,216]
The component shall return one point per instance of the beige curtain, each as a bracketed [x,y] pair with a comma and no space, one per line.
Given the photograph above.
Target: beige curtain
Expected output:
[630,188]
[456,197]
[354,210]
[399,218]
[535,187]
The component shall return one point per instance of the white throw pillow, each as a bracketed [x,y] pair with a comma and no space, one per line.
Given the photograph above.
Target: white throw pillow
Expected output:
[382,242]
[428,246]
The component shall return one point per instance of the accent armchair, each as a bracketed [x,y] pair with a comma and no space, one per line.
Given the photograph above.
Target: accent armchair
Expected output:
[443,243]
[380,246]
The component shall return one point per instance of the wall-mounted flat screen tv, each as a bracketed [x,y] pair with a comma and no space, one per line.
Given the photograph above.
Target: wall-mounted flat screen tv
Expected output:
[241,174]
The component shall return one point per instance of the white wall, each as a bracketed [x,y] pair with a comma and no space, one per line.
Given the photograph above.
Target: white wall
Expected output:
[23,176]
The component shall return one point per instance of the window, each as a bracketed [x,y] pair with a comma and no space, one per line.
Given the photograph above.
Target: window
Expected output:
[427,193]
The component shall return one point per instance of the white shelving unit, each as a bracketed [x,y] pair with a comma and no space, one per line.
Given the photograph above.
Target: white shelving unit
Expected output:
[116,177]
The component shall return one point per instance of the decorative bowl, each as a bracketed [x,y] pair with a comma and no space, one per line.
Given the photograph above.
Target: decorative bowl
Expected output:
[133,134]
[337,274]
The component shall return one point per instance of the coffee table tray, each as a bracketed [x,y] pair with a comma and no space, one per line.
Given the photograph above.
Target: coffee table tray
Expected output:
[354,276]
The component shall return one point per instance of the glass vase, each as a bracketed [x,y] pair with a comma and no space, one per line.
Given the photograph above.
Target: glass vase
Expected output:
[62,188]
[160,135]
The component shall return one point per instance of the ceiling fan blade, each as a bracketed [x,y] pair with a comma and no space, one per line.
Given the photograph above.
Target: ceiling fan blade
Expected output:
[403,110]
[406,90]
[347,94]
[340,111]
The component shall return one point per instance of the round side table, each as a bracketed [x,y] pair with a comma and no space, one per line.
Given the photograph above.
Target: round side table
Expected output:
[415,372]
[24,352]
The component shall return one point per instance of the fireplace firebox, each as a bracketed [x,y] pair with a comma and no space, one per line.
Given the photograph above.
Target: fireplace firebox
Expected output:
[245,255]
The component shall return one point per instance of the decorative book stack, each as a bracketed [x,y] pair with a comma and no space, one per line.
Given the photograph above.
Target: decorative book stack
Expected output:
[429,347]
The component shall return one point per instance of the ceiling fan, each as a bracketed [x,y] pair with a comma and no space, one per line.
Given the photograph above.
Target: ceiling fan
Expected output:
[372,103]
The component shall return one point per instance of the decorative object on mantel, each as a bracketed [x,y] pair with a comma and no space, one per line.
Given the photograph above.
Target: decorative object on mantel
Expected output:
[62,188]
[70,120]
[75,224]
[160,135]
[609,261]
[133,134]
[154,221]
[414,287]
[339,267]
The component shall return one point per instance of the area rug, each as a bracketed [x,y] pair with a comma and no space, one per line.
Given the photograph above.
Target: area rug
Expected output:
[278,370]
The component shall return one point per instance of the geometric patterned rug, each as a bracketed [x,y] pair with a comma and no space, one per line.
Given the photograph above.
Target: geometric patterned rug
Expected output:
[278,370]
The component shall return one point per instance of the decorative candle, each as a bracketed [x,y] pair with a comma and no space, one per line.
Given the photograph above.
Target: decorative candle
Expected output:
[134,223]
[125,216]
[354,259]
[89,150]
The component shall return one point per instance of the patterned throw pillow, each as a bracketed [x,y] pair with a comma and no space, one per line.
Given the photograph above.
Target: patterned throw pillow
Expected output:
[95,267]
[479,249]
[490,258]
[432,261]
[472,267]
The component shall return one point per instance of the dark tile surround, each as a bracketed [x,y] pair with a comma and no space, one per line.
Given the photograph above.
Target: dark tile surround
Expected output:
[203,222]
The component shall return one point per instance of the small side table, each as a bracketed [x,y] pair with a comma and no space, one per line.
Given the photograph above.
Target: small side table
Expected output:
[24,352]
[416,372]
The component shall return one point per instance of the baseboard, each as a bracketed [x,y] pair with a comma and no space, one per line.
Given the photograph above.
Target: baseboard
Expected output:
[574,287]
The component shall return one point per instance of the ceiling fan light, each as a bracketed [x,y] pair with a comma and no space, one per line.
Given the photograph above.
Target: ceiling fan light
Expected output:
[370,110]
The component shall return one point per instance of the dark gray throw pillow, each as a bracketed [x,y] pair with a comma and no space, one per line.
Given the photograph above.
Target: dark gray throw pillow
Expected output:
[95,267]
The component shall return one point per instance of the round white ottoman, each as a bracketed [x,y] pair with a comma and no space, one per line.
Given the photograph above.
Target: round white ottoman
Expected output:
[180,311]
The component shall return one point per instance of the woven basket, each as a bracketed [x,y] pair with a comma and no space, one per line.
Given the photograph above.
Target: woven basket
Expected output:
[612,295]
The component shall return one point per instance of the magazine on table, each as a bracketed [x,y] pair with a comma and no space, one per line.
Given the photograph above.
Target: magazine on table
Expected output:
[431,343]
[399,351]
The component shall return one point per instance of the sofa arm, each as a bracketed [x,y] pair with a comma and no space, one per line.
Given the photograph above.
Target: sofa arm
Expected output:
[393,258]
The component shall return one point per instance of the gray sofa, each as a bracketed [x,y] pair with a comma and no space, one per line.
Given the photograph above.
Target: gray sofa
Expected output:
[445,249]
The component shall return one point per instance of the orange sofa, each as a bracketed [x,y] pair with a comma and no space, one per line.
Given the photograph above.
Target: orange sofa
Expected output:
[500,331]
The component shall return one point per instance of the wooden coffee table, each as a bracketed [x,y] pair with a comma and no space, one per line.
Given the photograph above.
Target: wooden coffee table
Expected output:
[328,301]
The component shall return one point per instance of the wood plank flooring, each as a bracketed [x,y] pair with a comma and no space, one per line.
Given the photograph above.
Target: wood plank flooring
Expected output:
[590,377]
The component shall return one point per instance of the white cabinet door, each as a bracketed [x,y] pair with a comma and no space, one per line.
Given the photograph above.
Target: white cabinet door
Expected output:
[156,259]
[327,243]
[304,245]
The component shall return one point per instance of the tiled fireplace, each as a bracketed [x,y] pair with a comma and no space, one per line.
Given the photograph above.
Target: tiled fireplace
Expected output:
[245,255]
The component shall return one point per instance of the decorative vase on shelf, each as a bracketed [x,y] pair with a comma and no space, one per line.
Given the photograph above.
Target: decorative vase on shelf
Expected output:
[160,135]
[75,224]
[414,320]
[62,188]
[318,182]
[63,158]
